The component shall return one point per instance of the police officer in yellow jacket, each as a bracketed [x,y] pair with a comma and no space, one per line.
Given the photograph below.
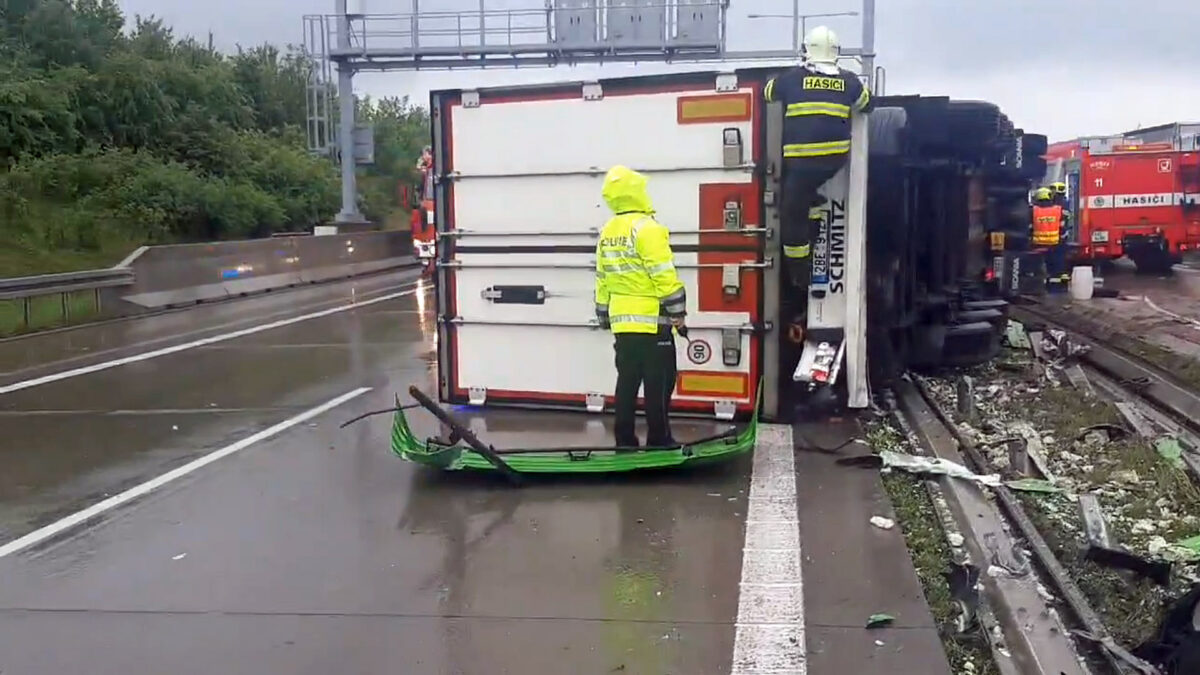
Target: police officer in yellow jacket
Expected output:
[639,296]
[819,98]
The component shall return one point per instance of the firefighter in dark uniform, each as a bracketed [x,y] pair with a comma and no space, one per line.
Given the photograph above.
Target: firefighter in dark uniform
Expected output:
[819,98]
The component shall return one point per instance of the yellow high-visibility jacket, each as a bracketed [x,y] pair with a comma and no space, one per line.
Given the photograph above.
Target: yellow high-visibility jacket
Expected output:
[637,289]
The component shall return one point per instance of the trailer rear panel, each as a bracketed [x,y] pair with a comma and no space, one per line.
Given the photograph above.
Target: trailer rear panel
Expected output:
[518,214]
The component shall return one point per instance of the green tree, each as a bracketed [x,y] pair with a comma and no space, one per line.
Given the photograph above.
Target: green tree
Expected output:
[108,139]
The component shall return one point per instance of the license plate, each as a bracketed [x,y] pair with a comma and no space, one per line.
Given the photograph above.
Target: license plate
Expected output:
[820,255]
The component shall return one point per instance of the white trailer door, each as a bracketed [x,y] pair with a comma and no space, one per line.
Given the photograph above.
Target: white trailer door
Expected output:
[518,216]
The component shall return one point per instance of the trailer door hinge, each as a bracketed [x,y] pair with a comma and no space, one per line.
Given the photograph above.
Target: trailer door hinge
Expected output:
[595,402]
[477,395]
[724,410]
[592,91]
[727,82]
[470,99]
[731,279]
[731,346]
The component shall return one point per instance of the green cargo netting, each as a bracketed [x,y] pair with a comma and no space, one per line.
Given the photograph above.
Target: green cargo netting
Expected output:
[570,460]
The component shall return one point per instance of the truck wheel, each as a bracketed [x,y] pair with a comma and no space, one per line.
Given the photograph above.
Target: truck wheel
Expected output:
[885,129]
[1153,263]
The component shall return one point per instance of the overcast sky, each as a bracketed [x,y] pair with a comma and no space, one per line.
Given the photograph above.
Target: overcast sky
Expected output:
[1065,68]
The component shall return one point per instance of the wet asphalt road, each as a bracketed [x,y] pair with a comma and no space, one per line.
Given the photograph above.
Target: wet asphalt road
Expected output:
[317,551]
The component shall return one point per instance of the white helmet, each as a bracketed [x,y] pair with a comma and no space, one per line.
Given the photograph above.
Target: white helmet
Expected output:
[821,46]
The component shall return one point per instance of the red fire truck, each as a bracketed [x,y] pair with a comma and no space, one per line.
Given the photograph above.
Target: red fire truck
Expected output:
[1130,197]
[424,236]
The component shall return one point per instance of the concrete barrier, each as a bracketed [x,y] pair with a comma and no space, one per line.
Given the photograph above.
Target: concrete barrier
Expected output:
[171,276]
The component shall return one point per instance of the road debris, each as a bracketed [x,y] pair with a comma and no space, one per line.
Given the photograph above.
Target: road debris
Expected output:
[880,620]
[929,466]
[1175,646]
[882,523]
[1169,449]
[1158,571]
[1093,520]
[1016,337]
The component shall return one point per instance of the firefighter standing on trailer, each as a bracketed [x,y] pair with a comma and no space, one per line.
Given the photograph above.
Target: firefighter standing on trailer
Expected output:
[1048,235]
[819,98]
[640,297]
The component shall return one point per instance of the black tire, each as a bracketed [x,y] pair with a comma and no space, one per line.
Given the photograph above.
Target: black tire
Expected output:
[1034,145]
[885,132]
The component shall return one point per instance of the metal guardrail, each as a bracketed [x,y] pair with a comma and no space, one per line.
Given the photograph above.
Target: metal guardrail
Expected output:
[49,284]
[156,278]
[29,303]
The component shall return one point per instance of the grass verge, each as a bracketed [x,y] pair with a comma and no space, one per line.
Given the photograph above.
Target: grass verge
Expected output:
[46,311]
[918,520]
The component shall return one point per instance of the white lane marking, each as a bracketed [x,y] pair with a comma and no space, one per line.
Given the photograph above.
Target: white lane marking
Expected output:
[769,637]
[174,349]
[1182,319]
[94,510]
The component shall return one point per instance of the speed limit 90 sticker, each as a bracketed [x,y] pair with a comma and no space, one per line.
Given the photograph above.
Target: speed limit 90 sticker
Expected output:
[699,352]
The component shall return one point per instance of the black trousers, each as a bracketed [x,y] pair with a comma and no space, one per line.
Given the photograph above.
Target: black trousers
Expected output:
[802,181]
[644,360]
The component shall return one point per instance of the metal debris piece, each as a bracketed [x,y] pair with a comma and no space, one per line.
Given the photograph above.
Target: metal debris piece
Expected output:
[1120,653]
[1093,520]
[1035,339]
[964,390]
[1014,560]
[1033,485]
[1135,419]
[935,466]
[1158,571]
[1112,432]
[1169,449]
[1035,449]
[963,581]
[1079,379]
[1016,335]
[1018,458]
[1058,346]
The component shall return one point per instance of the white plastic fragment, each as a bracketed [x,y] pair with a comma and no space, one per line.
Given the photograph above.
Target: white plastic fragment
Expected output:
[181,556]
[935,465]
[883,523]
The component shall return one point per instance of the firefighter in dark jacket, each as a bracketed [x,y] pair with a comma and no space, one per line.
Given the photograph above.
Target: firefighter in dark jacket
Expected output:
[819,98]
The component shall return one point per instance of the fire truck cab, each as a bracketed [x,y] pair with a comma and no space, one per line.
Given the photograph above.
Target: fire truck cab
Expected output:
[1129,197]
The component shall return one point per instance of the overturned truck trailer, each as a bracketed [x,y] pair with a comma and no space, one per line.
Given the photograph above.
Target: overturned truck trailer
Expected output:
[900,260]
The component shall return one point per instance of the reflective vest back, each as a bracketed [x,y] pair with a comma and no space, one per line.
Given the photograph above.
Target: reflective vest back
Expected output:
[1047,225]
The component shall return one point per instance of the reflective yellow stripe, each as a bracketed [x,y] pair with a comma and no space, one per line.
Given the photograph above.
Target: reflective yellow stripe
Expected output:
[816,149]
[832,109]
[863,99]
[770,90]
[815,213]
[797,251]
